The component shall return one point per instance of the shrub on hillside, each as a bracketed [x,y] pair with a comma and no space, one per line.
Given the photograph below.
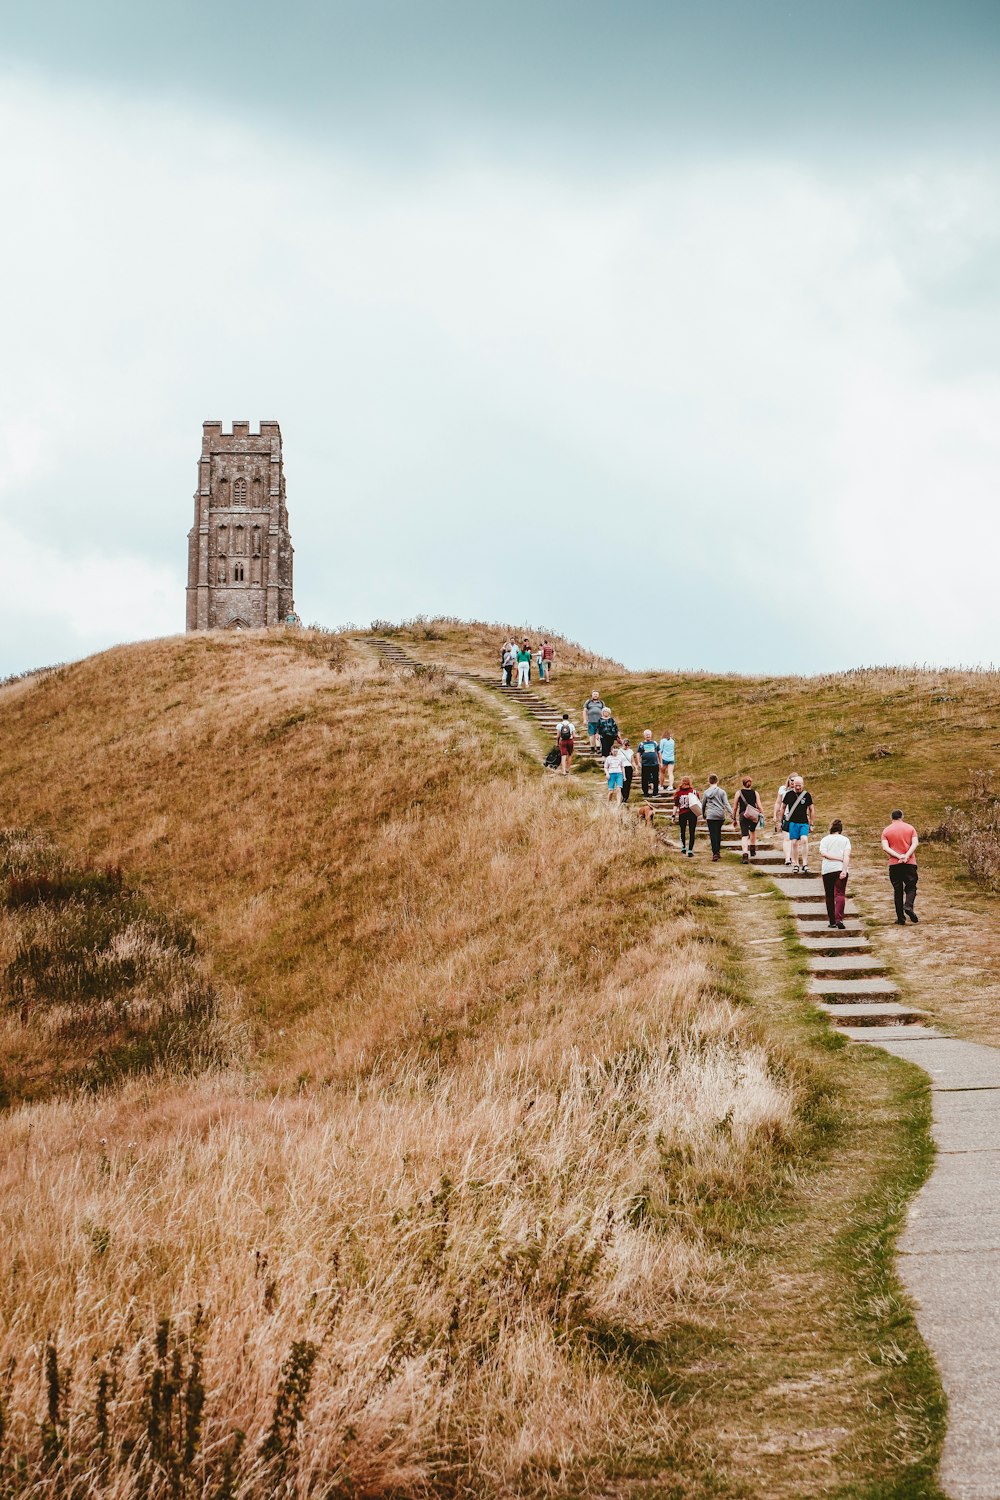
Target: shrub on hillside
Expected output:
[975,829]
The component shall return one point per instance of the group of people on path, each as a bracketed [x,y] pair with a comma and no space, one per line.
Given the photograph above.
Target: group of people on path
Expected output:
[518,658]
[793,812]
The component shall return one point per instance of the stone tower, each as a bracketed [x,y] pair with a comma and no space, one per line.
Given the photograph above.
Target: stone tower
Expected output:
[239,548]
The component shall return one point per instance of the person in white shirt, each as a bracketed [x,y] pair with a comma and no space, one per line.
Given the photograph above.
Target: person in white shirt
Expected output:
[779,816]
[614,770]
[835,852]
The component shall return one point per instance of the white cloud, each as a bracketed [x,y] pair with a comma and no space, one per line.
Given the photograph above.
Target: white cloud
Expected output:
[503,393]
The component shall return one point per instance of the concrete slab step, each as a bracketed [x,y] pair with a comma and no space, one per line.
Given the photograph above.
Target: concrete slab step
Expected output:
[835,942]
[888,1013]
[813,912]
[819,929]
[846,990]
[847,964]
[902,1031]
[800,888]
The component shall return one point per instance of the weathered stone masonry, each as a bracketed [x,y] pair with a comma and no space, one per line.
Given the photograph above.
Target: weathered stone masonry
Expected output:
[239,548]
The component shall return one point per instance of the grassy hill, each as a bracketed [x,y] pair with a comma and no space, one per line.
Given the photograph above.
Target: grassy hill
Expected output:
[383,1118]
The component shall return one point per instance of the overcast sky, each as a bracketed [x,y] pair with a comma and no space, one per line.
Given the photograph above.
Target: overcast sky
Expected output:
[673,327]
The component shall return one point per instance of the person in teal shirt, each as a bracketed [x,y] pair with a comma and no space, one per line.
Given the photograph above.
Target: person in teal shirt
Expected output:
[667,763]
[523,664]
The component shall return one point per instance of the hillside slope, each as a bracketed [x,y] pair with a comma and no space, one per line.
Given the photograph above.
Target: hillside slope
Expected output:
[494,1158]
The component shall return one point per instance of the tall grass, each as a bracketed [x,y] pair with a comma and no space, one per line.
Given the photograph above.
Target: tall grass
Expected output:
[449,1230]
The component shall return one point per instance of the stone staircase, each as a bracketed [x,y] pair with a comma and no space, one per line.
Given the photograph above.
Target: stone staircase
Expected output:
[846,979]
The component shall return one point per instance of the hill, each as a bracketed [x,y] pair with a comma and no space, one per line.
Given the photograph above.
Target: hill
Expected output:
[383,1118]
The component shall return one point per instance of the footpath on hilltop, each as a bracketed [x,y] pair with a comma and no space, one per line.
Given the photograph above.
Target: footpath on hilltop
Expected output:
[513,1165]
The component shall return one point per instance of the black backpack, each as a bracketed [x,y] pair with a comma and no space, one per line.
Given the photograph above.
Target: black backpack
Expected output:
[552,759]
[565,732]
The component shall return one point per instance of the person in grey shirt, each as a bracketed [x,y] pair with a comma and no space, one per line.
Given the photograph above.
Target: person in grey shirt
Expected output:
[715,809]
[593,710]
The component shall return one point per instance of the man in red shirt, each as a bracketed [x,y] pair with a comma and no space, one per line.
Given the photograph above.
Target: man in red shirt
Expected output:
[900,842]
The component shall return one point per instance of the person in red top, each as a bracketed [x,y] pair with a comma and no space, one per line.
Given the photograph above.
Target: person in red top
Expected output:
[900,842]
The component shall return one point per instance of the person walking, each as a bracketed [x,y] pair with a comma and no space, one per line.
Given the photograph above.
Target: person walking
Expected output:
[716,808]
[667,756]
[592,711]
[799,813]
[649,763]
[565,740]
[687,808]
[507,662]
[835,854]
[748,815]
[523,664]
[548,659]
[780,821]
[631,760]
[900,842]
[614,770]
[607,729]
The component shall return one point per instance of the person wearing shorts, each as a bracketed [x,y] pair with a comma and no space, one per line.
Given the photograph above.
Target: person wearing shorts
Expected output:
[780,821]
[593,710]
[614,769]
[747,818]
[667,757]
[799,812]
[565,739]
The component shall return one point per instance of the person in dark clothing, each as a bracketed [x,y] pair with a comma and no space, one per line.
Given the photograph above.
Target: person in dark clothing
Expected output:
[687,807]
[716,808]
[747,816]
[649,764]
[608,731]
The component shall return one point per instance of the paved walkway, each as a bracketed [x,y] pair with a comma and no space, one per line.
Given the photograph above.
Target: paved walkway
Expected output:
[949,1253]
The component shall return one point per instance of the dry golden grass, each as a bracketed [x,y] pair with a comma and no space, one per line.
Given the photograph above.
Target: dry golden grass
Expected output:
[434,1229]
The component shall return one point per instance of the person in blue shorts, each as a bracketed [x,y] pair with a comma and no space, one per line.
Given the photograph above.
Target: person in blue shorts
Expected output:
[667,757]
[799,810]
[614,768]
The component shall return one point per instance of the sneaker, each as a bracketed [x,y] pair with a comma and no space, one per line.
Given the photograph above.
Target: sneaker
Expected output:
[900,921]
[753,854]
[840,926]
[834,924]
[911,914]
[788,863]
[690,854]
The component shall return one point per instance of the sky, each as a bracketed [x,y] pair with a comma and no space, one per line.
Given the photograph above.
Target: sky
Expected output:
[674,328]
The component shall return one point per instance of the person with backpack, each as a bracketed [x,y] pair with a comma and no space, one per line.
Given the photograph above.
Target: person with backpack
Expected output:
[747,816]
[565,740]
[614,770]
[798,814]
[835,854]
[592,711]
[523,664]
[667,756]
[900,842]
[607,729]
[688,809]
[631,760]
[780,821]
[716,808]
[649,763]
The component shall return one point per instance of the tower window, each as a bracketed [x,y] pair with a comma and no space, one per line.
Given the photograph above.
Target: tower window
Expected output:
[239,492]
[238,574]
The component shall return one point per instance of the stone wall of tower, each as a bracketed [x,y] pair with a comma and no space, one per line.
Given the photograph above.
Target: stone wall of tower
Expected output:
[239,548]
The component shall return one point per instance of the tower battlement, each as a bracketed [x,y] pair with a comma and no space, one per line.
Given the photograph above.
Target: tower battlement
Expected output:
[239,548]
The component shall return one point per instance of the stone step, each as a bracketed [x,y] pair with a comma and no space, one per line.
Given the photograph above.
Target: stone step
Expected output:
[835,942]
[815,911]
[847,963]
[853,989]
[858,1016]
[901,1032]
[853,927]
[800,888]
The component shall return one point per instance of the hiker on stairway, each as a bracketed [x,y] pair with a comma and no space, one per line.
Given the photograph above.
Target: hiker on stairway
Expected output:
[508,660]
[780,821]
[900,842]
[592,711]
[631,764]
[565,739]
[667,756]
[687,807]
[799,811]
[614,770]
[835,853]
[548,660]
[523,664]
[716,808]
[649,763]
[747,816]
[607,729]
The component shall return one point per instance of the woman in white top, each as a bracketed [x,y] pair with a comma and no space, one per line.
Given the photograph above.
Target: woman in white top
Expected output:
[779,816]
[614,770]
[835,852]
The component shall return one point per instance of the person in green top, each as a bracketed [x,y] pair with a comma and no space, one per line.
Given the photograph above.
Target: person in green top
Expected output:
[523,664]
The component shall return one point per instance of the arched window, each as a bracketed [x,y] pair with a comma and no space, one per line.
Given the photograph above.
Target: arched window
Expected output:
[239,492]
[238,574]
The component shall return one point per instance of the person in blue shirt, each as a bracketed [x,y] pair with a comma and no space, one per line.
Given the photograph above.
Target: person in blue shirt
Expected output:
[649,763]
[667,757]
